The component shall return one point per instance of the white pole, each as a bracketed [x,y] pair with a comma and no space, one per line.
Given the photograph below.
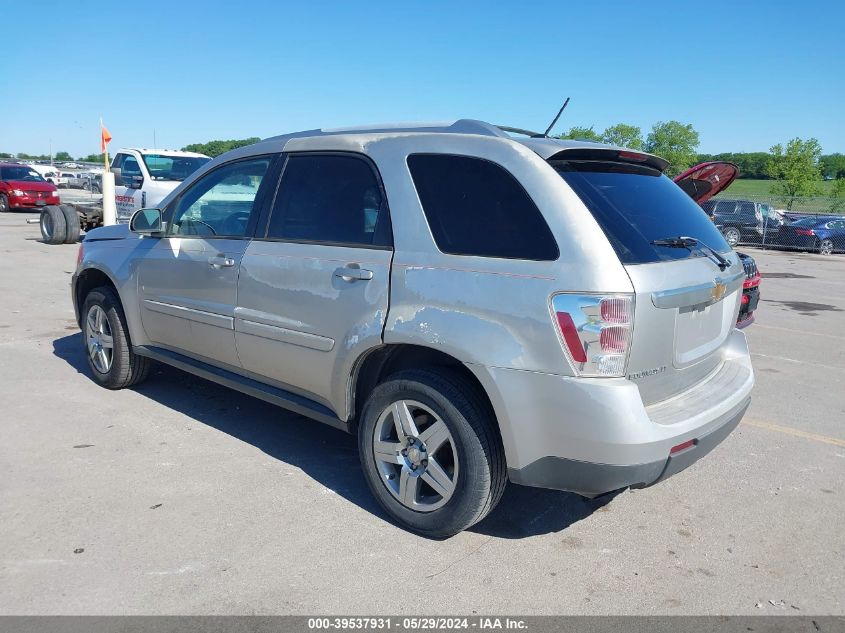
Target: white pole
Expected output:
[109,209]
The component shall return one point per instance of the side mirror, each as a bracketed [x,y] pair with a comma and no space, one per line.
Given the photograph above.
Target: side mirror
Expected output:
[134,182]
[146,222]
[118,176]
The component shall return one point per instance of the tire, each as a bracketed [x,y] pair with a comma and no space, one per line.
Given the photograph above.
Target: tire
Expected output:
[472,458]
[53,228]
[71,224]
[732,236]
[4,203]
[96,188]
[826,247]
[102,317]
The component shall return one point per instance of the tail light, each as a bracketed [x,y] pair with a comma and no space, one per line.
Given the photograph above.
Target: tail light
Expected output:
[595,331]
[752,281]
[804,232]
[79,255]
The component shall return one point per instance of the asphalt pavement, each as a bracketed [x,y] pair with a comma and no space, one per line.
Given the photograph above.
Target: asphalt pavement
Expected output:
[182,497]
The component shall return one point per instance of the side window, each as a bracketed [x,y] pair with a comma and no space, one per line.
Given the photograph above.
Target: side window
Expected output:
[130,167]
[476,207]
[330,198]
[723,207]
[221,203]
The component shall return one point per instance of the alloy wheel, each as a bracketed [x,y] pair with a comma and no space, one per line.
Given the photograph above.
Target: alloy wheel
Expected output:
[415,455]
[826,247]
[99,340]
[732,237]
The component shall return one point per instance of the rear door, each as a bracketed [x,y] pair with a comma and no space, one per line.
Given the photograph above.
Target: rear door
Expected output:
[188,279]
[685,304]
[313,288]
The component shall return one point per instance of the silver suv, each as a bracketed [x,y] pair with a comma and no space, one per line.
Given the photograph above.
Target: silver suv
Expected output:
[478,308]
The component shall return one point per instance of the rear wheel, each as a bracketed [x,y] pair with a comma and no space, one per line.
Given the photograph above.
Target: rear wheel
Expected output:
[71,224]
[826,247]
[107,348]
[430,452]
[4,203]
[53,226]
[731,236]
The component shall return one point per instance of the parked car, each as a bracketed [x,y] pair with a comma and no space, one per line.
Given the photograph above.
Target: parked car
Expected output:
[750,292]
[73,180]
[21,187]
[704,181]
[94,183]
[475,307]
[743,221]
[821,234]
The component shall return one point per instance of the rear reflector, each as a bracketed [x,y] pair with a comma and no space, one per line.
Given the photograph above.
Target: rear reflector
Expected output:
[681,447]
[571,338]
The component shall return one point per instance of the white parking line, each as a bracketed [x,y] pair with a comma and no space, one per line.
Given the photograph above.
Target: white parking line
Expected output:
[801,332]
[800,362]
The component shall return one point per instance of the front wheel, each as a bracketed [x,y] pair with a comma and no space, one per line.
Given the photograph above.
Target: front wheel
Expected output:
[110,357]
[731,236]
[826,247]
[430,452]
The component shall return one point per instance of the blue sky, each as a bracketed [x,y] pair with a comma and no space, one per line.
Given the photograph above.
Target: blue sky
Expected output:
[745,74]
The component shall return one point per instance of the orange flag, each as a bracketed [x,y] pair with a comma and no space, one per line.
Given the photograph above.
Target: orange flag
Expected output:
[105,137]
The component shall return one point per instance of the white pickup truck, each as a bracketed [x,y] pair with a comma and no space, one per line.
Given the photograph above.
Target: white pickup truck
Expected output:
[142,178]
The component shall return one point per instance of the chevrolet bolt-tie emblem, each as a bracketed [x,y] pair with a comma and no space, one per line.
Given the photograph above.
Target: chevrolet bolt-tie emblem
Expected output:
[718,291]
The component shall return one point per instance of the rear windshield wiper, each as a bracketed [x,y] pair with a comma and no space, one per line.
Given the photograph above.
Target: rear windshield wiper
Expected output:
[692,244]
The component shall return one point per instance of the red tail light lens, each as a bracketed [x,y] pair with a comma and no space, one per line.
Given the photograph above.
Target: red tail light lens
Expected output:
[596,331]
[614,339]
[571,338]
[804,232]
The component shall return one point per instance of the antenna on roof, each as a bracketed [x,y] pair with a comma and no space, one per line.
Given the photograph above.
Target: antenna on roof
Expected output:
[552,124]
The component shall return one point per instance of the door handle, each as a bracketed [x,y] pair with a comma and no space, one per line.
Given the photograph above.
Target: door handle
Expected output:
[221,261]
[353,273]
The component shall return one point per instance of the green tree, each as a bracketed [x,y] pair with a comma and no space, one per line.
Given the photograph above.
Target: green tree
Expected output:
[92,158]
[582,134]
[215,148]
[63,156]
[675,142]
[796,168]
[623,135]
[24,156]
[833,166]
[5,155]
[837,203]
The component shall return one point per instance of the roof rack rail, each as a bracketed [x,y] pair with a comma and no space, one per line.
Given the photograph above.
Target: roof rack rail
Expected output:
[461,126]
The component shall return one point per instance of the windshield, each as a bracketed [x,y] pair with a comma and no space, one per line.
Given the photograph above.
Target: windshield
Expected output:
[163,167]
[636,205]
[24,174]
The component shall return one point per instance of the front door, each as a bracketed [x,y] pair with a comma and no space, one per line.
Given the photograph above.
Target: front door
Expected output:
[313,290]
[188,279]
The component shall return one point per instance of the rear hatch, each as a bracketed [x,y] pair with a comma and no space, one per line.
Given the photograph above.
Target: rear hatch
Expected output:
[704,181]
[687,291]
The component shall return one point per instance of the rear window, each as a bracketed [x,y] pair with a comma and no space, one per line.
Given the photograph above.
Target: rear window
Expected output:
[476,207]
[635,205]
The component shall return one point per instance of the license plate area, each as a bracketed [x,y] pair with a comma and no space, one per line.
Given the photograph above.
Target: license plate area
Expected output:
[700,330]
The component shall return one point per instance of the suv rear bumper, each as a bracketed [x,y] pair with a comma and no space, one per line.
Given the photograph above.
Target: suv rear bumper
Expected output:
[591,479]
[595,435]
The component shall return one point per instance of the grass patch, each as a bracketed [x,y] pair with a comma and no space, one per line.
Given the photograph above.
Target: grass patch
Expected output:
[760,190]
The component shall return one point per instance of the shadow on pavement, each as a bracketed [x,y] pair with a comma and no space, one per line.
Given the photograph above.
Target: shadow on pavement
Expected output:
[327,455]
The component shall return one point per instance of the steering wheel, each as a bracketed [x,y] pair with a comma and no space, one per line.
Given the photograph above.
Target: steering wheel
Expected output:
[190,222]
[235,224]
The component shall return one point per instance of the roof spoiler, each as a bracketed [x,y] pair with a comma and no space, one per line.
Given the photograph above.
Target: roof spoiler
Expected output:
[613,154]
